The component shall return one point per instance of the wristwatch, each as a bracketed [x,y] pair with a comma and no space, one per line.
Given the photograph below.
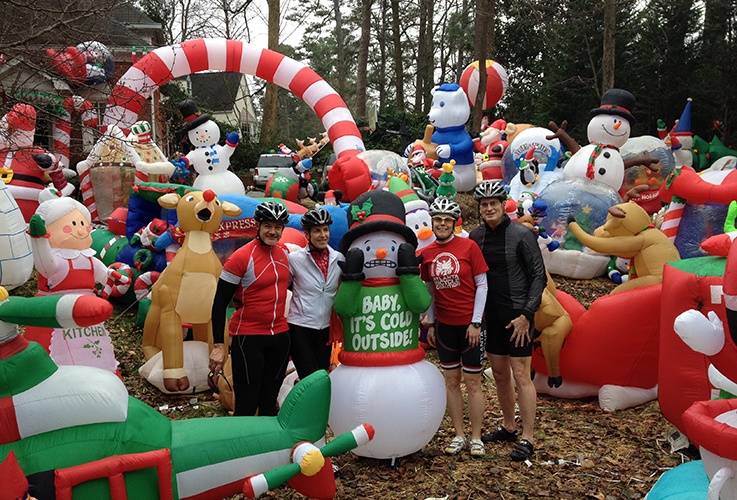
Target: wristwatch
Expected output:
[476,325]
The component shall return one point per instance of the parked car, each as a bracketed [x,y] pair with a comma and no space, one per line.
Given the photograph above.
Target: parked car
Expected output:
[270,164]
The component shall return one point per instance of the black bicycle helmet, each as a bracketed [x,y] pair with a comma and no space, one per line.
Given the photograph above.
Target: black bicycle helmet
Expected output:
[271,211]
[445,206]
[490,189]
[316,217]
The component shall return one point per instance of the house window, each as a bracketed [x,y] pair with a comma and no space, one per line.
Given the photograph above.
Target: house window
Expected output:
[245,132]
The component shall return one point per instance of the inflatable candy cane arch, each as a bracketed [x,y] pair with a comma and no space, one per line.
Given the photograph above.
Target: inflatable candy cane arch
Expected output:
[163,64]
[63,126]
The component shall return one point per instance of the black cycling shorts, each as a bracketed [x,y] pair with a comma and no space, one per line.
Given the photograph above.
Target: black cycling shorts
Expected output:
[454,351]
[499,337]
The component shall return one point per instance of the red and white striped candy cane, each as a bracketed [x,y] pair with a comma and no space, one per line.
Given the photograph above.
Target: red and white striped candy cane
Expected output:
[672,219]
[63,126]
[143,284]
[160,66]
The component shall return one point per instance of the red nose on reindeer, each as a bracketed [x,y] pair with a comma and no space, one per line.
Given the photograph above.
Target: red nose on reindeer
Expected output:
[208,195]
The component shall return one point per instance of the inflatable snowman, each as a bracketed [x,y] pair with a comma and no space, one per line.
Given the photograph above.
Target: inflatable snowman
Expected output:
[383,377]
[416,212]
[608,130]
[209,159]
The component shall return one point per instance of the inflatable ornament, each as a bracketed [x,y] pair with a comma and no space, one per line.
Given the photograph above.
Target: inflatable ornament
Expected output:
[383,375]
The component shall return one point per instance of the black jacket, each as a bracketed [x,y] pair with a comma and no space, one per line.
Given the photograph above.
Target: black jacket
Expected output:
[516,274]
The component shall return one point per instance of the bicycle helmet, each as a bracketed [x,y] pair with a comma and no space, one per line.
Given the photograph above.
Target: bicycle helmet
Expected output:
[271,211]
[445,206]
[316,217]
[490,189]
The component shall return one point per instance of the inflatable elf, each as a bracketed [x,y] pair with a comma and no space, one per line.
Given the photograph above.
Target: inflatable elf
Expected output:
[383,377]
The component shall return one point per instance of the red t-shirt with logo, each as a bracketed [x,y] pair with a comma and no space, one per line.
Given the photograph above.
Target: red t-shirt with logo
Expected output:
[450,267]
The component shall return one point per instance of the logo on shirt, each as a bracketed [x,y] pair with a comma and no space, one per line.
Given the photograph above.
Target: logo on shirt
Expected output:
[444,271]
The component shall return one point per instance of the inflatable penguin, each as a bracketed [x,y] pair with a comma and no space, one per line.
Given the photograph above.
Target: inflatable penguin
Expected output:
[383,377]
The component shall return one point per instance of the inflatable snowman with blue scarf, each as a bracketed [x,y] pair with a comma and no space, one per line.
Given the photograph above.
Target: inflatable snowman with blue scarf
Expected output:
[208,158]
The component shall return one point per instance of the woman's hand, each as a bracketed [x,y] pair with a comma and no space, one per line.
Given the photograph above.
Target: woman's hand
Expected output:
[217,358]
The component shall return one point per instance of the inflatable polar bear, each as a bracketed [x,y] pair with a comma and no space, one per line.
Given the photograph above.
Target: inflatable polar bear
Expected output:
[448,114]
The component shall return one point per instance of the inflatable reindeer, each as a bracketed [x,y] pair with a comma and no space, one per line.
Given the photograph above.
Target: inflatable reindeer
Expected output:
[186,288]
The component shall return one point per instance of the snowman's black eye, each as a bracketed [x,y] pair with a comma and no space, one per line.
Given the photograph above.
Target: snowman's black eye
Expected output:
[602,171]
[607,154]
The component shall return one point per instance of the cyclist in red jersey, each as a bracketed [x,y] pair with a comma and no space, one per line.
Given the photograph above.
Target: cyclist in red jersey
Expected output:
[257,274]
[455,269]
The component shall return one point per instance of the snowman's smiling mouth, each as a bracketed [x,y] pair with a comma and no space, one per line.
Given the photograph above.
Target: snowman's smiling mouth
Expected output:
[380,262]
[612,133]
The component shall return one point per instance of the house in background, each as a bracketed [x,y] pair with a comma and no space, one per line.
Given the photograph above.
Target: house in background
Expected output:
[225,96]
[26,74]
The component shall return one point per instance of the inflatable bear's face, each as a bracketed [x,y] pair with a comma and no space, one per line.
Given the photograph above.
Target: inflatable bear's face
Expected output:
[449,107]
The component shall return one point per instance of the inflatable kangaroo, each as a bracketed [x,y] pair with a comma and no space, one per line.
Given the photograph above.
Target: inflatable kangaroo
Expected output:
[186,288]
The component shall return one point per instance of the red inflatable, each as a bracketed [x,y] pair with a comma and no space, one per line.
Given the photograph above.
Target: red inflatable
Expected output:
[614,342]
[682,372]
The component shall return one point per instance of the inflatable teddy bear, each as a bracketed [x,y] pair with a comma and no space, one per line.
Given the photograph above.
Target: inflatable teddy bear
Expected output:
[449,114]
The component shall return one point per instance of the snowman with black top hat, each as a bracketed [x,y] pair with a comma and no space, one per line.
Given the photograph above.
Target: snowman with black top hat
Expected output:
[209,159]
[383,377]
[608,130]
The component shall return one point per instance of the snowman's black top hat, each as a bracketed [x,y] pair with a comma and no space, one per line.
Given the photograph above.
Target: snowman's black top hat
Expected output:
[616,102]
[192,117]
[376,210]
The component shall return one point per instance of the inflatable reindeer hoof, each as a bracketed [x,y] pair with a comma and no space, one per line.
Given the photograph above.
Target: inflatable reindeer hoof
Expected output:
[176,380]
[555,381]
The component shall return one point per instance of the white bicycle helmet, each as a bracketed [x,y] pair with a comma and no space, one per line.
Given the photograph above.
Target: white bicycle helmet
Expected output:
[490,189]
[445,206]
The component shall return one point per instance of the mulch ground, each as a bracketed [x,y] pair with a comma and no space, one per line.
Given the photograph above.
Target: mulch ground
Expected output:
[582,452]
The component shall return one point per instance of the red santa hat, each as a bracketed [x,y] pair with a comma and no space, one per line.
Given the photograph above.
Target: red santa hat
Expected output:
[499,124]
[22,117]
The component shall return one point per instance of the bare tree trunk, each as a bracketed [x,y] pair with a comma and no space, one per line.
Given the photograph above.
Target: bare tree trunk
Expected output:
[339,43]
[427,81]
[607,63]
[271,99]
[398,66]
[459,62]
[383,54]
[421,70]
[362,70]
[483,47]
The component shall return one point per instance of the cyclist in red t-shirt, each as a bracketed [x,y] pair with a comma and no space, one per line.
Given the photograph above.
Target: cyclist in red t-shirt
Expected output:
[455,271]
[258,275]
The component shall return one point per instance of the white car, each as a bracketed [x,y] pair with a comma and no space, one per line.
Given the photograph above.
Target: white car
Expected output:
[270,164]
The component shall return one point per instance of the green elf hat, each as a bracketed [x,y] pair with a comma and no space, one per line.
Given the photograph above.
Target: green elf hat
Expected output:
[408,195]
[373,211]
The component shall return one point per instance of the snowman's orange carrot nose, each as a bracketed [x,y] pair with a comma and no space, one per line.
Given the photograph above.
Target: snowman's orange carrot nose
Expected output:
[381,253]
[617,125]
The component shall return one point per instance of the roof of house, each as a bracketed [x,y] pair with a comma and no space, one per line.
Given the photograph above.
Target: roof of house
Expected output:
[111,22]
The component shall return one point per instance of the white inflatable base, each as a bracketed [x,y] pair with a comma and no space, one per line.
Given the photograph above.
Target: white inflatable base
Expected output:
[575,264]
[567,390]
[405,404]
[611,397]
[615,397]
[196,361]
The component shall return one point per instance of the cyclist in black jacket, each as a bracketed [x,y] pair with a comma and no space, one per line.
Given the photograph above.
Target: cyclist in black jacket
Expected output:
[516,280]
